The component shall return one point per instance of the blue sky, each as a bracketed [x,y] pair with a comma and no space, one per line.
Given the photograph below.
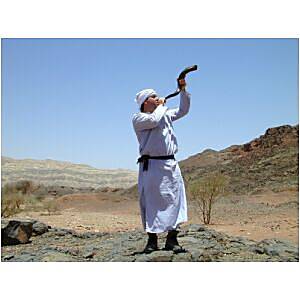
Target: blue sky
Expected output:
[72,99]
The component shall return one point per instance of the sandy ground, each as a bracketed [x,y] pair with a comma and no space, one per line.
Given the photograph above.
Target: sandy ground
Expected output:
[257,217]
[270,215]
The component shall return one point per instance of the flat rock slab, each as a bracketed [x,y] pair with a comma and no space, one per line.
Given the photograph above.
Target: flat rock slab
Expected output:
[182,257]
[57,257]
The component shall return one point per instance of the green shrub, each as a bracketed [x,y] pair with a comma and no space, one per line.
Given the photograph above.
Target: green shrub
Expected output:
[206,191]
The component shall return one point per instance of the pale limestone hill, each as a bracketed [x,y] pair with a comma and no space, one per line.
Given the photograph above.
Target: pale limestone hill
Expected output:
[58,173]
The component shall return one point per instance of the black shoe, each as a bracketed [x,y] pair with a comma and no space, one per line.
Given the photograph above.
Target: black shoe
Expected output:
[152,243]
[172,243]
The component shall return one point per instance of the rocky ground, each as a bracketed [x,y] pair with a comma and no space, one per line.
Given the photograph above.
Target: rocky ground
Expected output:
[267,215]
[263,216]
[100,227]
[201,243]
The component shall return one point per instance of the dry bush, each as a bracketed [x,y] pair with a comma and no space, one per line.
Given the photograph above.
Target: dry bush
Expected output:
[50,206]
[206,191]
[32,203]
[23,186]
[17,197]
[11,203]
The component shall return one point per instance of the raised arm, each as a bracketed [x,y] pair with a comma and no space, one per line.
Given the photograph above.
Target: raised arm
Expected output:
[142,121]
[183,109]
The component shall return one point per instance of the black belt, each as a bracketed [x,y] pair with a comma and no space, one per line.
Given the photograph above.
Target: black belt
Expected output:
[145,159]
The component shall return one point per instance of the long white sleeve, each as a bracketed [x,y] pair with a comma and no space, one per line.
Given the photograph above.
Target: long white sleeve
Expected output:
[142,121]
[183,108]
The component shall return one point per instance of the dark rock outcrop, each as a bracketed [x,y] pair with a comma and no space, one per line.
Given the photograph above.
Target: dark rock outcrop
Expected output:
[16,232]
[39,228]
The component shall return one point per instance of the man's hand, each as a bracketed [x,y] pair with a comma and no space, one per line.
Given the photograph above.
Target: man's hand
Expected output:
[161,101]
[182,84]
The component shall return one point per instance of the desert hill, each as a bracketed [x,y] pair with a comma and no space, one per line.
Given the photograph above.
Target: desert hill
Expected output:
[64,174]
[269,162]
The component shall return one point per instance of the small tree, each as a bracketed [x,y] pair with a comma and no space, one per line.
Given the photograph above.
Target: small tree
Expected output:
[206,191]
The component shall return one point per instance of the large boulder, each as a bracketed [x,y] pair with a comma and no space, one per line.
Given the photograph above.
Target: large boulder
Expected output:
[16,232]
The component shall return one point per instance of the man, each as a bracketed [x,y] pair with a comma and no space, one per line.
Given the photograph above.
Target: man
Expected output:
[160,185]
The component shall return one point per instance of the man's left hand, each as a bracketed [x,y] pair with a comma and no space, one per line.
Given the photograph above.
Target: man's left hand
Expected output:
[182,84]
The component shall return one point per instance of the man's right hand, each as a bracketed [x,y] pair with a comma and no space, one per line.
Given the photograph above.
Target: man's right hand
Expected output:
[161,101]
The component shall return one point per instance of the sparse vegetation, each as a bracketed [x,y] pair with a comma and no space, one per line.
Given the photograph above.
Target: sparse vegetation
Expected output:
[11,203]
[22,186]
[17,197]
[206,191]
[50,206]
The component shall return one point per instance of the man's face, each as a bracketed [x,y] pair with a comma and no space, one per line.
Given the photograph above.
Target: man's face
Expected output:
[151,103]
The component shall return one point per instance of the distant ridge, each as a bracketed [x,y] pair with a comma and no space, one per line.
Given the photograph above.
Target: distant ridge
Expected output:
[52,172]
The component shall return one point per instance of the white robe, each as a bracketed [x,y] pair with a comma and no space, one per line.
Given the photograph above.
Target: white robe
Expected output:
[161,188]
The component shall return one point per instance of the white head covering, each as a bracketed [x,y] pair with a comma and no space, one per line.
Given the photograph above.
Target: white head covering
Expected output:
[143,95]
